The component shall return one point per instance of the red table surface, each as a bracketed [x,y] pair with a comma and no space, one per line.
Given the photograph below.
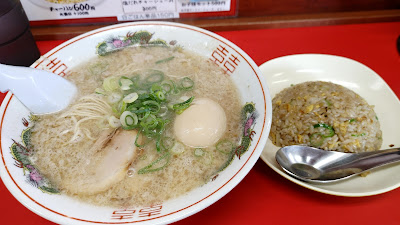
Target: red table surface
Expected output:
[264,197]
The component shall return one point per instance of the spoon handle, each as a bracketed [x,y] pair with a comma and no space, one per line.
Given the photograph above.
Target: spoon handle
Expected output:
[13,76]
[368,160]
[4,79]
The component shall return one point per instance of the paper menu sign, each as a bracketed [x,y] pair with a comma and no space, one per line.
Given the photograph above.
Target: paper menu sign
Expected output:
[148,10]
[185,6]
[165,9]
[133,6]
[70,9]
[122,10]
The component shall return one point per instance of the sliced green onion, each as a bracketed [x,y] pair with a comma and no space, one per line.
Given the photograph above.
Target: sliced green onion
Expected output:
[114,97]
[166,87]
[142,105]
[114,122]
[98,68]
[177,148]
[167,143]
[204,156]
[154,106]
[152,167]
[110,84]
[142,115]
[199,152]
[160,95]
[175,90]
[131,97]
[150,122]
[158,143]
[163,110]
[137,140]
[141,111]
[143,96]
[170,106]
[136,81]
[152,134]
[120,108]
[328,103]
[128,119]
[316,139]
[358,135]
[327,127]
[180,107]
[165,60]
[132,108]
[125,83]
[155,88]
[156,76]
[224,146]
[161,125]
[100,91]
[352,120]
[187,83]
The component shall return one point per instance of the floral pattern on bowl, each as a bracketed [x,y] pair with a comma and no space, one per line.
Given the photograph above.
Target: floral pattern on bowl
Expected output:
[138,38]
[21,153]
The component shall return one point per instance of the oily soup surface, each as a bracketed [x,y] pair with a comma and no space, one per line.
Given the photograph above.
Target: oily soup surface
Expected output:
[59,152]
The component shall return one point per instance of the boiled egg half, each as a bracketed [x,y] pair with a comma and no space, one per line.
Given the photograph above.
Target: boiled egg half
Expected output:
[202,124]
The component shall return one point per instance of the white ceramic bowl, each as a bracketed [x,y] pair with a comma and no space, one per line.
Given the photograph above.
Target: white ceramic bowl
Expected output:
[15,119]
[293,69]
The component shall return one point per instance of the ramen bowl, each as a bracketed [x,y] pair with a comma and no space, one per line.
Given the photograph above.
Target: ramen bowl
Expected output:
[24,181]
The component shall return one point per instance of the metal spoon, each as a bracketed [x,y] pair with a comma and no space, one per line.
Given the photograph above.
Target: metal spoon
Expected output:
[321,166]
[40,91]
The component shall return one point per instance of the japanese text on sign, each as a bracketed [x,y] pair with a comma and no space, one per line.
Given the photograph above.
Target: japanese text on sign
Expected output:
[37,10]
[204,6]
[140,6]
[73,10]
[148,16]
[148,9]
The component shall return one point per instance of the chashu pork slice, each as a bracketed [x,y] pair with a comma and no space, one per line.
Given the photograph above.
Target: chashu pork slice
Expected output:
[116,150]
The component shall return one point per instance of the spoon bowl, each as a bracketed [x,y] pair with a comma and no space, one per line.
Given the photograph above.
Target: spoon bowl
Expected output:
[40,91]
[321,166]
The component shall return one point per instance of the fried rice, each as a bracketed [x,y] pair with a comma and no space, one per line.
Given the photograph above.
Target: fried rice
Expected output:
[324,115]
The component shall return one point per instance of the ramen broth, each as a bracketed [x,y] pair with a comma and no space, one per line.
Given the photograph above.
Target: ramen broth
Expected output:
[59,152]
